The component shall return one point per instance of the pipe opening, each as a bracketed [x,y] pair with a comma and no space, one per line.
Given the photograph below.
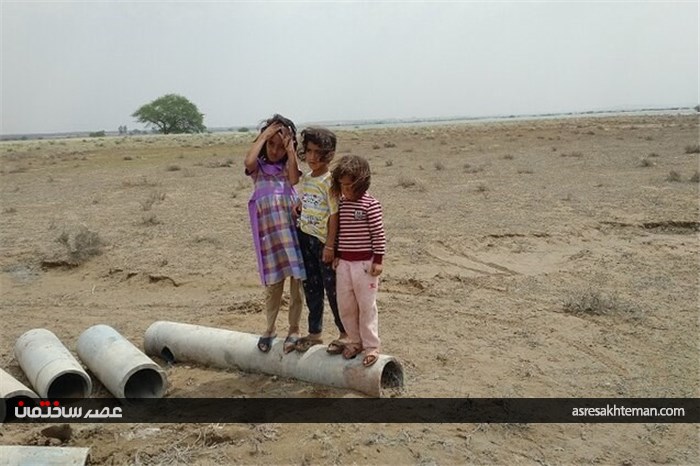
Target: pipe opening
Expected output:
[392,375]
[145,383]
[167,355]
[68,386]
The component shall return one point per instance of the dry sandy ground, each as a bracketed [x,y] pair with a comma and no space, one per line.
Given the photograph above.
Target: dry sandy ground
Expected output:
[494,231]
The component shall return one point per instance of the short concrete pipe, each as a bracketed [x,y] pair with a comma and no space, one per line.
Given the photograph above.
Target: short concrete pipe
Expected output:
[50,367]
[231,349]
[121,367]
[13,391]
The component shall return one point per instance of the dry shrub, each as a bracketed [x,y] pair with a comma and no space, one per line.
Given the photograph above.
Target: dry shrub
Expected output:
[439,166]
[575,154]
[673,176]
[597,303]
[81,244]
[469,169]
[692,149]
[139,182]
[153,197]
[406,182]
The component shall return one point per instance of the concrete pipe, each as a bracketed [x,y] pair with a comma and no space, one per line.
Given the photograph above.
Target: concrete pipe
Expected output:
[11,392]
[121,367]
[229,349]
[50,367]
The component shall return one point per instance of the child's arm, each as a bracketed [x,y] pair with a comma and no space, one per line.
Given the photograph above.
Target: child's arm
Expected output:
[329,248]
[376,232]
[292,164]
[251,158]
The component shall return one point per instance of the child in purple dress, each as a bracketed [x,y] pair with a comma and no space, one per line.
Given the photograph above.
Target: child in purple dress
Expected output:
[272,164]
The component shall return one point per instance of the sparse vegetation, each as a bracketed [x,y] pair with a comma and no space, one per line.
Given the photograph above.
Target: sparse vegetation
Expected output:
[597,303]
[388,163]
[81,244]
[692,149]
[470,169]
[673,176]
[140,182]
[149,219]
[173,168]
[575,154]
[646,163]
[406,182]
[153,197]
[439,166]
[696,177]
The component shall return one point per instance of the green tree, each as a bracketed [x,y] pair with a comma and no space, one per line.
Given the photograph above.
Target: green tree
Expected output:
[171,113]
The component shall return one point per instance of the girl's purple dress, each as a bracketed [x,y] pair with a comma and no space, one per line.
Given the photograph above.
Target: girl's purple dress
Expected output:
[274,230]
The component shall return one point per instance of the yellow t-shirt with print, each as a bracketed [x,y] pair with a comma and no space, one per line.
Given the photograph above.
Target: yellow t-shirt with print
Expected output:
[317,204]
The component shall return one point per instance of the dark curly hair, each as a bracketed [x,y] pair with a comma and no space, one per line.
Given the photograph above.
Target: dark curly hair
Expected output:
[325,139]
[354,167]
[277,118]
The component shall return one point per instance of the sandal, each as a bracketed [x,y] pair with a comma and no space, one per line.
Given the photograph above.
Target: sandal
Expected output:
[265,343]
[350,351]
[335,347]
[370,358]
[289,344]
[305,343]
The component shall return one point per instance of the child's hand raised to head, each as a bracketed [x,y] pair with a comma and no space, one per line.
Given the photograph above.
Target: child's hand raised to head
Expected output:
[287,139]
[271,130]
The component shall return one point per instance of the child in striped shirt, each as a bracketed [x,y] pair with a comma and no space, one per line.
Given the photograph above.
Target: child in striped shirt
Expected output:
[360,247]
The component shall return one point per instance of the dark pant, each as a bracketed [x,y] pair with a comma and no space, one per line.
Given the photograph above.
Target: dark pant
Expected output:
[319,276]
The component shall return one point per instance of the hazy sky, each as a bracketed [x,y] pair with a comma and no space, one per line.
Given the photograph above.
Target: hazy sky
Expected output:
[87,66]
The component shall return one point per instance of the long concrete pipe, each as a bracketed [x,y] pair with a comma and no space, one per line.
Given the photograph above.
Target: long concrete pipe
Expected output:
[231,349]
[11,392]
[121,367]
[50,367]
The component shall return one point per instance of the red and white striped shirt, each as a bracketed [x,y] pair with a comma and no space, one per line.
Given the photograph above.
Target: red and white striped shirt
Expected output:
[361,230]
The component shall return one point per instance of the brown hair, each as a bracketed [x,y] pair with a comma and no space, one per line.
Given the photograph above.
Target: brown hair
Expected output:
[355,167]
[323,138]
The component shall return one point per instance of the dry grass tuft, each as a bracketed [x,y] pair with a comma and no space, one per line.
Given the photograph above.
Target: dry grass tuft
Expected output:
[673,176]
[692,149]
[81,244]
[597,303]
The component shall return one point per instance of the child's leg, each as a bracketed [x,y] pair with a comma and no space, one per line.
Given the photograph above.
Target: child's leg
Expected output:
[311,250]
[329,285]
[273,300]
[296,302]
[347,305]
[366,287]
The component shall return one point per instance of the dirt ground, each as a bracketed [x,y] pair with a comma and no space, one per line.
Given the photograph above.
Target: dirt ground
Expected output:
[542,258]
